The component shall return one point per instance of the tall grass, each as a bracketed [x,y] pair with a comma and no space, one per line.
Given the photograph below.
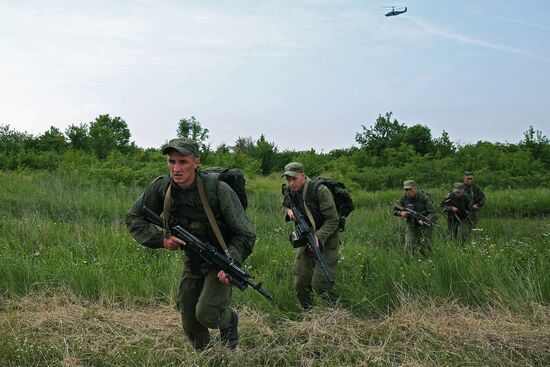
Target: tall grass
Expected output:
[60,233]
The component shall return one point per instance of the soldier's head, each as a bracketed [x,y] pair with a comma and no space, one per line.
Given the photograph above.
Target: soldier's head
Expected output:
[182,158]
[295,176]
[410,188]
[458,189]
[468,178]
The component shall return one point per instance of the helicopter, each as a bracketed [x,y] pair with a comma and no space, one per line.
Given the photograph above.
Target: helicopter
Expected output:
[394,12]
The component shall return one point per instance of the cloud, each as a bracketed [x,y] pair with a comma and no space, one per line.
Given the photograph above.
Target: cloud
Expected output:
[441,32]
[530,24]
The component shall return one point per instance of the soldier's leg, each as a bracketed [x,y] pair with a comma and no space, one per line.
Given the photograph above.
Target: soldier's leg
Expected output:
[188,296]
[425,241]
[319,281]
[411,237]
[212,309]
[463,231]
[303,272]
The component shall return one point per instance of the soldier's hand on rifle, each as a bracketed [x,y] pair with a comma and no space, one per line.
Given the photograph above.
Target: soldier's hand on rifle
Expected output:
[454,209]
[421,222]
[290,214]
[475,206]
[172,243]
[404,214]
[222,277]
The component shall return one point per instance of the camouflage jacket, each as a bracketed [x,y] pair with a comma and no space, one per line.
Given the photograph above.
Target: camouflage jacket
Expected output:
[421,203]
[321,204]
[186,210]
[476,194]
[462,203]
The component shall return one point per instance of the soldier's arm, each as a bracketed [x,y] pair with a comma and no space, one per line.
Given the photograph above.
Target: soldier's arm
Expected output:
[480,200]
[398,207]
[243,234]
[446,204]
[329,213]
[144,232]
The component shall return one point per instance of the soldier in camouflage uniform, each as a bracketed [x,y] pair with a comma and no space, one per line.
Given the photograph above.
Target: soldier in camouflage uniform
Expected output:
[418,236]
[476,194]
[317,198]
[204,293]
[457,206]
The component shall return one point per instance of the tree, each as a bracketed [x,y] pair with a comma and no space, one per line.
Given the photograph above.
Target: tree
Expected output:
[537,144]
[107,134]
[52,140]
[384,134]
[420,137]
[78,137]
[190,128]
[244,145]
[444,147]
[265,151]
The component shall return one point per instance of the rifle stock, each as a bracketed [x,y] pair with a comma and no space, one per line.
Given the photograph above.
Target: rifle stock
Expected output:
[234,273]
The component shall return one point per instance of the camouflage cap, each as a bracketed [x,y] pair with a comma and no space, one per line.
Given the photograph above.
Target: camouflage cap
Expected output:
[468,174]
[409,184]
[182,146]
[458,187]
[293,169]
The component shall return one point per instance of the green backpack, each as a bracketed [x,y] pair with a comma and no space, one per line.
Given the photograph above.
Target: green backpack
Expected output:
[342,199]
[234,177]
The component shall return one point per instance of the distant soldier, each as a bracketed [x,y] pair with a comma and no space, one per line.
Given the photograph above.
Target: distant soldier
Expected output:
[418,235]
[476,194]
[457,206]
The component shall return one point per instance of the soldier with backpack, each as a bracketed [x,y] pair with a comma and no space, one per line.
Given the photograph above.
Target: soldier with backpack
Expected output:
[207,207]
[316,201]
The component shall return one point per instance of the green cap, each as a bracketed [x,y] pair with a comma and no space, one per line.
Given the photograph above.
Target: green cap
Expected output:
[409,184]
[182,146]
[468,174]
[293,169]
[458,187]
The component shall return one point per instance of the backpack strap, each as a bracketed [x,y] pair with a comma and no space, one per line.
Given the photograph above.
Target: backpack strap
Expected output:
[308,212]
[210,214]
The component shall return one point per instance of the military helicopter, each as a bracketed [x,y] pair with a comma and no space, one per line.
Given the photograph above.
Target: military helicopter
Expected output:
[393,12]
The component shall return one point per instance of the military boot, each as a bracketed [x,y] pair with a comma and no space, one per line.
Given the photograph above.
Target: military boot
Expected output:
[230,334]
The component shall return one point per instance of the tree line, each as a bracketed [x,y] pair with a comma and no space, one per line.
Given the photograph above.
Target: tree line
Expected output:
[387,153]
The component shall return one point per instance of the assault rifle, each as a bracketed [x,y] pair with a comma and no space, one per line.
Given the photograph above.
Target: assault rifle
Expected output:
[303,231]
[234,273]
[428,222]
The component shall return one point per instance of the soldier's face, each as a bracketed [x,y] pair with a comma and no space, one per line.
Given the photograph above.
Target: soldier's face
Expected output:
[468,181]
[458,194]
[182,168]
[297,182]
[411,192]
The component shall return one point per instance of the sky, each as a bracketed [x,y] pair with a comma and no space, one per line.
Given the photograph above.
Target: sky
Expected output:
[305,73]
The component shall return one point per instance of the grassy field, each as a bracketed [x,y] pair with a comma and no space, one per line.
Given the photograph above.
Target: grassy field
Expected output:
[76,289]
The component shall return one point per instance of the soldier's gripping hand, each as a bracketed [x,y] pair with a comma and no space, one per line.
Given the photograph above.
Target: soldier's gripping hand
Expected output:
[290,214]
[222,277]
[172,243]
[454,209]
[404,214]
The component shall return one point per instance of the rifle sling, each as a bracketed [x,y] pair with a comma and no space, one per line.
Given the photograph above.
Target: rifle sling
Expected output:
[308,212]
[210,214]
[166,209]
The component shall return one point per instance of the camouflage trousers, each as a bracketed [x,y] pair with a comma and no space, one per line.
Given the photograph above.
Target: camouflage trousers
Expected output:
[459,231]
[308,276]
[204,304]
[418,239]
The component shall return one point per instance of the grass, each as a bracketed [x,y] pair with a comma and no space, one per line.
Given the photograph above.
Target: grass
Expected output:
[71,271]
[67,331]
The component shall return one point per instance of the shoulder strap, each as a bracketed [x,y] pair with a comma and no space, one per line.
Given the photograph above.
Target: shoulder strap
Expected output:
[308,212]
[210,214]
[166,209]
